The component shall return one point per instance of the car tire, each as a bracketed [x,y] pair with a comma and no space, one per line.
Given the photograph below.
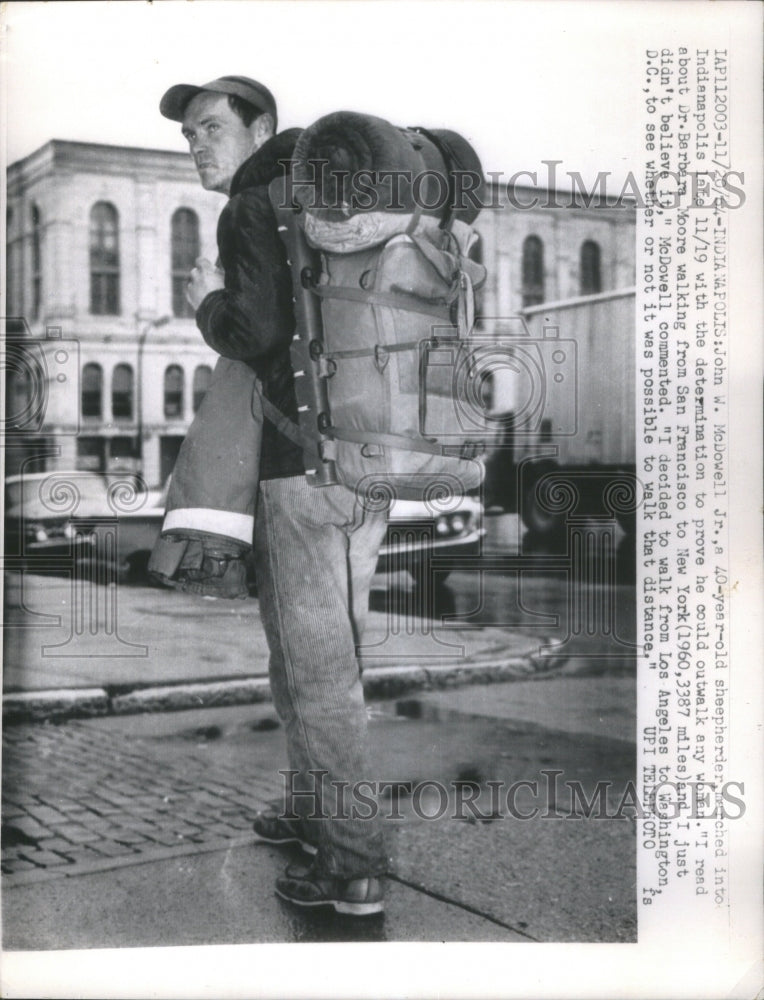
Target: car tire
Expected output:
[416,568]
[138,568]
[539,521]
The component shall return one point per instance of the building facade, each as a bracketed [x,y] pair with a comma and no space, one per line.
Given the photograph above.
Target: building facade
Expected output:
[100,240]
[542,254]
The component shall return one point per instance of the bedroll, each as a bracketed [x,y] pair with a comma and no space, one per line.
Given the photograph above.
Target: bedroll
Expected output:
[384,305]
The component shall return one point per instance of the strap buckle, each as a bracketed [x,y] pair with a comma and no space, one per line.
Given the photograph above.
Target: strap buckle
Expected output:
[381,357]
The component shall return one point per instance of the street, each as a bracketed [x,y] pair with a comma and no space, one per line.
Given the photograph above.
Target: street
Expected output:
[135,829]
[67,633]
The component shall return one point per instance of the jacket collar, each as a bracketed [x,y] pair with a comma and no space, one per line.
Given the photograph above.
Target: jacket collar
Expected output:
[264,164]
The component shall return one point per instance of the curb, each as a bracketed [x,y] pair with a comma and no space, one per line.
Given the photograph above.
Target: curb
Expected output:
[64,703]
[379,683]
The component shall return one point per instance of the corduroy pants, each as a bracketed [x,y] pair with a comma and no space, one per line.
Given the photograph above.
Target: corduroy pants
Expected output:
[315,554]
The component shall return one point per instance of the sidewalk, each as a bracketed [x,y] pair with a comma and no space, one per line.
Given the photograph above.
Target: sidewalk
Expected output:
[136,830]
[130,825]
[137,855]
[117,650]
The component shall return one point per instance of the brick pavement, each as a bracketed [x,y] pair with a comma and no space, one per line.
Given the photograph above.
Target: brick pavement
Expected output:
[79,799]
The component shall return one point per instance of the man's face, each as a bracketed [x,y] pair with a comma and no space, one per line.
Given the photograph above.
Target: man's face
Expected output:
[218,140]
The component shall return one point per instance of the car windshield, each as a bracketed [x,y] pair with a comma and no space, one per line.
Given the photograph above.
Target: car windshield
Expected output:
[14,492]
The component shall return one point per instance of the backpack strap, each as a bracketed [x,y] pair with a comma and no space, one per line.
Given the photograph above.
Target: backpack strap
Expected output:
[393,300]
[371,352]
[448,160]
[323,450]
[297,436]
[288,427]
[446,266]
[427,445]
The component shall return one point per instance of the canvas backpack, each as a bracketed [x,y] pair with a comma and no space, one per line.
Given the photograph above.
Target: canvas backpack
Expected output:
[383,371]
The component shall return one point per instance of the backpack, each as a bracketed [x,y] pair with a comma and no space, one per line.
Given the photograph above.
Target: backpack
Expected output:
[384,306]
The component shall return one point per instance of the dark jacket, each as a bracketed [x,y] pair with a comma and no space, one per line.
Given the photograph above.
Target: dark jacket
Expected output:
[252,318]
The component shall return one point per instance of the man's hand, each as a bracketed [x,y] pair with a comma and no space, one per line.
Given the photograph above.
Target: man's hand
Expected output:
[204,278]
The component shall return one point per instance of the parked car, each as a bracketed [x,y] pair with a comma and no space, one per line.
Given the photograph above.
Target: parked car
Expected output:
[53,514]
[415,530]
[31,528]
[48,515]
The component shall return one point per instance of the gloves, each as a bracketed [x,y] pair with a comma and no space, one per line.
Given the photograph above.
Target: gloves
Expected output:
[201,563]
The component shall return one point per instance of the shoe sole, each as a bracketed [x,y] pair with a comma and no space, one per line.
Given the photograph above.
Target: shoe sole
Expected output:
[282,841]
[352,909]
[358,909]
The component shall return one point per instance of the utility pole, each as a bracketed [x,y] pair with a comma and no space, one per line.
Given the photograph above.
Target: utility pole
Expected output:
[151,325]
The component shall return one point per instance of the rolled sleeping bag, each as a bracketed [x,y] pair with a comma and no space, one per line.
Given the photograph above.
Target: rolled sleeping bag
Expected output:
[360,181]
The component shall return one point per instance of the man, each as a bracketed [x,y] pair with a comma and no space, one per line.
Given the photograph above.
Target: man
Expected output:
[315,548]
[209,517]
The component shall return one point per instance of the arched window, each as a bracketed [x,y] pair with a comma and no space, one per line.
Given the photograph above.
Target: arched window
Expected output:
[92,391]
[36,261]
[173,392]
[122,393]
[202,377]
[104,260]
[185,250]
[533,271]
[590,277]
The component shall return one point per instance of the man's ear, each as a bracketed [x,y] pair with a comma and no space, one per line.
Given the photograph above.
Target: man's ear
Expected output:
[262,128]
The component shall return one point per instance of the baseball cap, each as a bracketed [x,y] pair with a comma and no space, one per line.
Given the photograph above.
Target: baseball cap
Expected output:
[174,102]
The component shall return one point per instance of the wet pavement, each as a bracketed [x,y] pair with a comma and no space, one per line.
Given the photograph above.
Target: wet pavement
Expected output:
[136,830]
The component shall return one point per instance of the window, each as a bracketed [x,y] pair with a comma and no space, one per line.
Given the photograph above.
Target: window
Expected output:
[185,250]
[122,393]
[92,391]
[36,261]
[91,454]
[590,278]
[104,260]
[533,271]
[202,377]
[173,392]
[123,454]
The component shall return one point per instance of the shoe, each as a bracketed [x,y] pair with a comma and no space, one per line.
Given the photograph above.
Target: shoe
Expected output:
[274,829]
[359,897]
